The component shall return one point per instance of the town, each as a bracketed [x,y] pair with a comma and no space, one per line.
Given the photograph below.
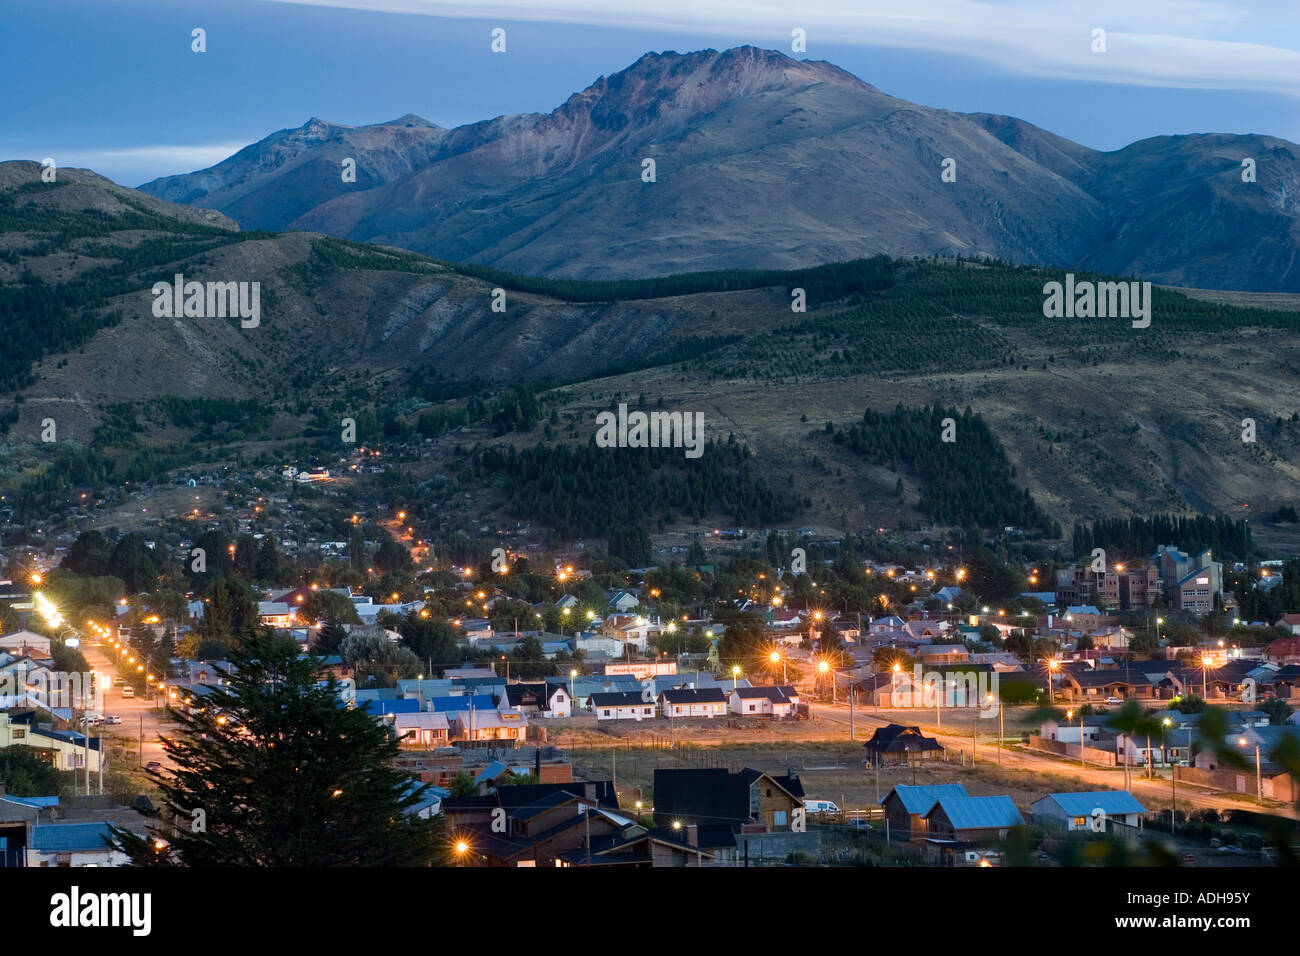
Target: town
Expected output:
[559,708]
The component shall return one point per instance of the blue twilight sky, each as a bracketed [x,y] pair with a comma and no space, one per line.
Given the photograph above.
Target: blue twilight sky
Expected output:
[113,84]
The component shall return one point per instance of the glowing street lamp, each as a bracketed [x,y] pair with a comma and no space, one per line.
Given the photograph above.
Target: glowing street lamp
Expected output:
[735,676]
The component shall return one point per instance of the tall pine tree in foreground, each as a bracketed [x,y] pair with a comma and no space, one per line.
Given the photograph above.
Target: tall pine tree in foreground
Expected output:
[284,776]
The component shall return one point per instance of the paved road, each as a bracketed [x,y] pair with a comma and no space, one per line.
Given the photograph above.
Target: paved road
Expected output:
[140,717]
[1156,793]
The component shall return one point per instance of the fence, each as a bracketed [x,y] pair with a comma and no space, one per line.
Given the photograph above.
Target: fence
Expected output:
[1092,755]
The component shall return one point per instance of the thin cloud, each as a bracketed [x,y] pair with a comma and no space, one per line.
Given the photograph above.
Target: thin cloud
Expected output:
[1169,43]
[128,164]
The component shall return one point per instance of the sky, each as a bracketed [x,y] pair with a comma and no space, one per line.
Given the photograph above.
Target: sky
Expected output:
[116,87]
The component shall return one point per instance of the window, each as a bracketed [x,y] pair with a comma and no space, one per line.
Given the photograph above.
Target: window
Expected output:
[20,733]
[605,713]
[751,707]
[778,816]
[1080,821]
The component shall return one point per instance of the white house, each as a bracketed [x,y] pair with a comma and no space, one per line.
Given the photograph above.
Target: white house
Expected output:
[25,640]
[690,702]
[623,601]
[593,645]
[628,705]
[764,701]
[277,613]
[424,729]
[72,844]
[1088,810]
[543,699]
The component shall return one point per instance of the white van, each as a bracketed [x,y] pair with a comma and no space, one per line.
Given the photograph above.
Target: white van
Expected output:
[820,806]
[128,691]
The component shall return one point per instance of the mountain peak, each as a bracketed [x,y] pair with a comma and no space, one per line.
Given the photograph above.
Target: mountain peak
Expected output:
[698,83]
[410,119]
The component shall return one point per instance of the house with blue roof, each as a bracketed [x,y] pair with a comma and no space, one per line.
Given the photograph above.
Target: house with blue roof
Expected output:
[464,702]
[380,708]
[72,844]
[906,806]
[429,804]
[972,819]
[1077,811]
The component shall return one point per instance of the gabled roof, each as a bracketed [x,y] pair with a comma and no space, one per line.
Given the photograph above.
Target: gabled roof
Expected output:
[782,694]
[624,699]
[789,783]
[897,738]
[919,799]
[521,795]
[1111,802]
[516,694]
[977,813]
[70,837]
[707,695]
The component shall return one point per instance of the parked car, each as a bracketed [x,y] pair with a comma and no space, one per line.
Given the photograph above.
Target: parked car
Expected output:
[153,765]
[128,691]
[112,719]
[1114,700]
[820,806]
[119,681]
[857,824]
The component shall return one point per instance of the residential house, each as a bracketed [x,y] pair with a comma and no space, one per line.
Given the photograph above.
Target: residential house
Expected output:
[277,614]
[567,824]
[1086,684]
[897,744]
[620,602]
[543,699]
[1078,811]
[594,645]
[847,631]
[21,641]
[972,819]
[691,702]
[622,705]
[752,800]
[422,729]
[1283,651]
[73,844]
[62,749]
[905,807]
[503,725]
[775,701]
[930,655]
[1289,621]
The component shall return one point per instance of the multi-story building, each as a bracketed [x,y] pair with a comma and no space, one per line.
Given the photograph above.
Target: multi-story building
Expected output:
[1127,590]
[1190,583]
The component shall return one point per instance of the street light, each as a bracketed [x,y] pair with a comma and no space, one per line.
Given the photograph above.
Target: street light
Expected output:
[989,699]
[1206,660]
[1052,665]
[735,675]
[824,668]
[1259,777]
